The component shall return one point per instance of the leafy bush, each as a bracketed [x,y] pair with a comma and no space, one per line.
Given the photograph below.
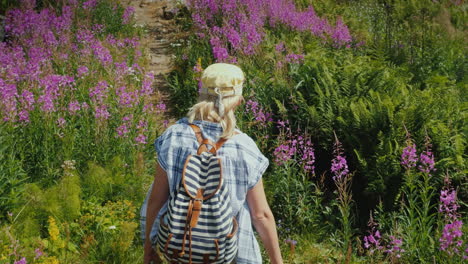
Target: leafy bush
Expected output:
[12,174]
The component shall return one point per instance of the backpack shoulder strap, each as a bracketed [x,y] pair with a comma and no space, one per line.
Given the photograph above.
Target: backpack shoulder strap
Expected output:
[198,133]
[204,141]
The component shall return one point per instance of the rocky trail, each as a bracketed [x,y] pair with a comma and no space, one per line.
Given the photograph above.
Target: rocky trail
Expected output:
[155,16]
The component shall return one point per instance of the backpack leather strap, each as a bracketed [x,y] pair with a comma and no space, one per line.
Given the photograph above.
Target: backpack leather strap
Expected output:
[204,141]
[198,133]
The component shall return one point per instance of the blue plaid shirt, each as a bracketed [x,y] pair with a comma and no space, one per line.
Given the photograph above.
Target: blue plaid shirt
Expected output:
[243,166]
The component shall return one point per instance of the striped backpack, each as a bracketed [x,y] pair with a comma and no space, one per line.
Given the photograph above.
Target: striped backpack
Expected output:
[198,226]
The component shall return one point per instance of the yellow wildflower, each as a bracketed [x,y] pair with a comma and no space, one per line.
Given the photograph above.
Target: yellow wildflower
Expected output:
[5,252]
[53,229]
[51,260]
[60,243]
[130,215]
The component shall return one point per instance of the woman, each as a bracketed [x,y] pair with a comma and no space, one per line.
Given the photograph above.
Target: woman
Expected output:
[243,165]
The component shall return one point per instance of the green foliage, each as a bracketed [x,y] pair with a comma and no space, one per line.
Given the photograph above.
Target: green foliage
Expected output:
[7,4]
[63,201]
[96,228]
[67,194]
[367,103]
[12,174]
[30,213]
[295,200]
[108,231]
[98,182]
[109,13]
[183,83]
[419,216]
[114,181]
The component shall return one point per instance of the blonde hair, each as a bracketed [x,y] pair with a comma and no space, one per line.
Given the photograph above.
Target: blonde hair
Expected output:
[205,110]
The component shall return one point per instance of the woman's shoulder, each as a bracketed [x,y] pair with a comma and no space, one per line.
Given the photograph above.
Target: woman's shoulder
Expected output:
[248,145]
[180,125]
[176,132]
[245,139]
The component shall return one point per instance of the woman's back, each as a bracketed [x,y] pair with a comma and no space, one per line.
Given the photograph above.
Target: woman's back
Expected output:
[242,167]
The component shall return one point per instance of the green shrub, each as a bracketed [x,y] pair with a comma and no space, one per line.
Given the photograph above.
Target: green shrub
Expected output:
[12,175]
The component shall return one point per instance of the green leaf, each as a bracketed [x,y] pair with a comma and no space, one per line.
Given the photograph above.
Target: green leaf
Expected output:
[281,107]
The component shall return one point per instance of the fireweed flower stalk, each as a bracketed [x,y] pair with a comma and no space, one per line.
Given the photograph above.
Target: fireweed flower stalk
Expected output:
[450,240]
[426,158]
[284,152]
[260,120]
[394,249]
[297,147]
[372,241]
[427,194]
[418,193]
[294,58]
[409,157]
[260,117]
[378,245]
[342,179]
[426,167]
[292,248]
[128,13]
[339,166]
[408,160]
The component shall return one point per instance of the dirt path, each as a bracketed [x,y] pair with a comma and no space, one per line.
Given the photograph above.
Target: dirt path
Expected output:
[162,31]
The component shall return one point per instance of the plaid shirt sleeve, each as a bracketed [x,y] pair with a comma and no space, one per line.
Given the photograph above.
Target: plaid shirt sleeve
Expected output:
[260,166]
